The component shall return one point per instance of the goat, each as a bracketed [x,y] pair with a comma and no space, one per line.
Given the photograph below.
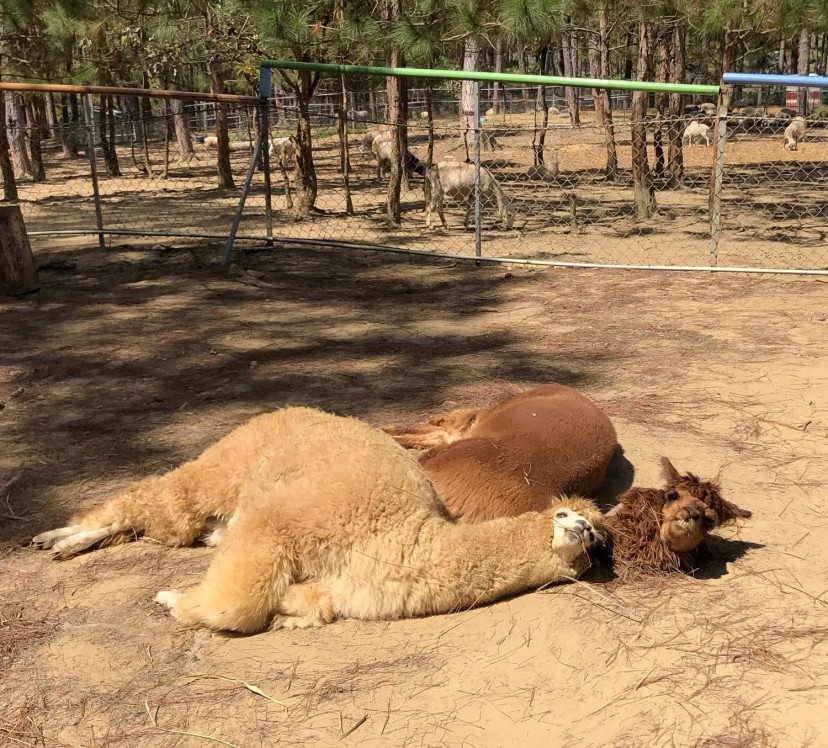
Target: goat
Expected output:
[285,148]
[381,145]
[454,180]
[794,133]
[696,130]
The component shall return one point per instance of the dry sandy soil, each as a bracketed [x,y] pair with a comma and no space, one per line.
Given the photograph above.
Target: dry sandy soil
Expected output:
[774,212]
[128,362]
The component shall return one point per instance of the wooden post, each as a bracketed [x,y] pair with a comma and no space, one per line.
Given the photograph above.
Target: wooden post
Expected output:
[18,272]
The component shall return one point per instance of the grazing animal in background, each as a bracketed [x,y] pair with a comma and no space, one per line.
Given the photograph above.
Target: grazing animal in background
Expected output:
[424,115]
[211,143]
[455,181]
[515,455]
[490,112]
[665,530]
[380,144]
[522,453]
[795,132]
[284,149]
[696,130]
[322,517]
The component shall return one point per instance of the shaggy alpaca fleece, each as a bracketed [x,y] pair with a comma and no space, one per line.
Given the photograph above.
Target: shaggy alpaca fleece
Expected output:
[323,517]
[512,457]
[655,531]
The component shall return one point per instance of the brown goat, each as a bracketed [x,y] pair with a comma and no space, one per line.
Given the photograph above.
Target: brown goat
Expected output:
[663,530]
[517,455]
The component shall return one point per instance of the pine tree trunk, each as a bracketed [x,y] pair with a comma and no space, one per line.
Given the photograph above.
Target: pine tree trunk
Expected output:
[539,136]
[136,121]
[430,124]
[675,152]
[224,168]
[68,140]
[186,151]
[570,56]
[521,63]
[107,136]
[642,181]
[51,116]
[305,169]
[16,125]
[35,129]
[605,71]
[497,89]
[662,102]
[471,52]
[6,166]
[780,65]
[803,68]
[18,271]
[344,155]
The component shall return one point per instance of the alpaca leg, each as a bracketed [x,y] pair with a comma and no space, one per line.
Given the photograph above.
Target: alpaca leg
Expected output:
[46,540]
[418,436]
[304,606]
[254,564]
[81,541]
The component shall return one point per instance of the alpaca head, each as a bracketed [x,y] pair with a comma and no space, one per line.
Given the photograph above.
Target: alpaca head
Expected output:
[576,526]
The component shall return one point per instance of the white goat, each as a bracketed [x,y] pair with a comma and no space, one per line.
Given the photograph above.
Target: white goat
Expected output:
[285,149]
[794,133]
[211,142]
[423,115]
[696,130]
[381,145]
[455,181]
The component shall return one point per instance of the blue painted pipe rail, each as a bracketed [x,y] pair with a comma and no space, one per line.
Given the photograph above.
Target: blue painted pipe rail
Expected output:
[763,79]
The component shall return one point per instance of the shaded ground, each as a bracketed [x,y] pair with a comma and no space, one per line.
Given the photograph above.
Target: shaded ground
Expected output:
[129,362]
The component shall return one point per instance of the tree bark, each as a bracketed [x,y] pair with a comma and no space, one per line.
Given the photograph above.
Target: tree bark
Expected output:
[497,88]
[68,141]
[18,271]
[521,63]
[16,125]
[35,130]
[539,136]
[642,182]
[224,169]
[662,101]
[569,52]
[107,136]
[430,125]
[605,71]
[675,152]
[803,67]
[186,151]
[305,168]
[344,155]
[136,121]
[471,52]
[780,64]
[6,166]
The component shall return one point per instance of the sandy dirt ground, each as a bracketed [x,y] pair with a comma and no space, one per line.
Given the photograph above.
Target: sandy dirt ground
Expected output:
[128,362]
[773,212]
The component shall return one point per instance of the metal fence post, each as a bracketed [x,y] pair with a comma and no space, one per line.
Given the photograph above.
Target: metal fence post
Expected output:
[93,166]
[718,176]
[478,239]
[248,180]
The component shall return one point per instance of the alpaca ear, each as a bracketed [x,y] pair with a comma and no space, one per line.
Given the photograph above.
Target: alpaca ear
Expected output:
[735,512]
[670,474]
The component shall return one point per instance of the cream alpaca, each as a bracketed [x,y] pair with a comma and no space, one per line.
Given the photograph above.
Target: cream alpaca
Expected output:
[325,517]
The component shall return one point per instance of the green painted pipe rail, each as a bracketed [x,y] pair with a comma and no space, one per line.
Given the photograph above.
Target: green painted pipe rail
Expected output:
[474,75]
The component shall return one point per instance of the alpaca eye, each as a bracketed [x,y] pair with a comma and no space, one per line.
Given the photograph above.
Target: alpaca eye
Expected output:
[672,496]
[561,515]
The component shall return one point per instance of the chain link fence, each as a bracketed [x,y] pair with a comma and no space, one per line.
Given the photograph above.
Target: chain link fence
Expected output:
[551,188]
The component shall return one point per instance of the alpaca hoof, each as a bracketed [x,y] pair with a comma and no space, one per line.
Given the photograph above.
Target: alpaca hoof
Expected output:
[169,599]
[47,540]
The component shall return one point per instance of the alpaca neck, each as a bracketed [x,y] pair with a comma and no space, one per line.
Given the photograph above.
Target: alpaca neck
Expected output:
[466,565]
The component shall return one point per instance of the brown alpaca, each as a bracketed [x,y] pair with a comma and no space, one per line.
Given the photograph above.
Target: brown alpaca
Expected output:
[515,456]
[662,530]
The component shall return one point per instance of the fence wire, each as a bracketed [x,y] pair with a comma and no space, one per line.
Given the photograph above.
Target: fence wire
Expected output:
[550,187]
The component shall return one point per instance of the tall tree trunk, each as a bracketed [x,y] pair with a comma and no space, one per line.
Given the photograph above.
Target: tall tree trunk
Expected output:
[68,140]
[803,68]
[106,133]
[605,71]
[344,155]
[224,169]
[136,122]
[642,181]
[497,88]
[35,128]
[628,55]
[780,64]
[430,122]
[6,167]
[471,52]
[521,63]
[662,100]
[186,151]
[569,52]
[675,153]
[305,168]
[16,125]
[539,136]
[51,116]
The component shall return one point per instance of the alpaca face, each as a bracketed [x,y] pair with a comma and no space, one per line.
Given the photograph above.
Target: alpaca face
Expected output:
[572,532]
[686,521]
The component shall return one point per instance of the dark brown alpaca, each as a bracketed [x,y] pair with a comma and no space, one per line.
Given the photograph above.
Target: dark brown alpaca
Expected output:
[517,455]
[663,530]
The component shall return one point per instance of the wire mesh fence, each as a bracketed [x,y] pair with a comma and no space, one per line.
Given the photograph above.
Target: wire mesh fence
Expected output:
[550,188]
